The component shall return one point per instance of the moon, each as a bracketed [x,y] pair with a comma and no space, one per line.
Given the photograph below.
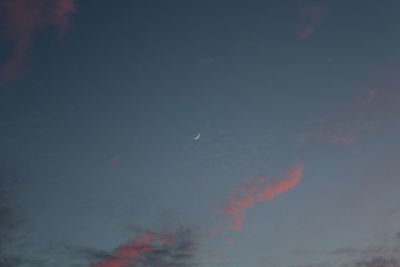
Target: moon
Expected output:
[197,137]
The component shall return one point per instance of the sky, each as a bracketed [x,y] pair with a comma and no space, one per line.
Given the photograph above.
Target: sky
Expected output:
[188,133]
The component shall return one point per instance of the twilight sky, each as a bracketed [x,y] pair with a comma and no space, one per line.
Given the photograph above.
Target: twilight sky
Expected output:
[296,103]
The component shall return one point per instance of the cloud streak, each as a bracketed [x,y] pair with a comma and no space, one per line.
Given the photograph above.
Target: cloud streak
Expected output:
[256,191]
[23,19]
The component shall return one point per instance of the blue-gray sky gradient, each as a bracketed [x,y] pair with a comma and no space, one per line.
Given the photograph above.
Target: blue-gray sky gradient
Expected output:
[100,102]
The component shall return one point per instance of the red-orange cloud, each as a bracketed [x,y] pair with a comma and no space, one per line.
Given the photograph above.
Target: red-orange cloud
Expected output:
[22,19]
[235,207]
[130,252]
[152,248]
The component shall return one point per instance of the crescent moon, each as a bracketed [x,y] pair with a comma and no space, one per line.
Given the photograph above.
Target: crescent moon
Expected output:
[197,137]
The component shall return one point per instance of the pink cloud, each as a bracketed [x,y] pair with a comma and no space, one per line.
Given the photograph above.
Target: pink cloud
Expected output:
[219,258]
[211,231]
[128,253]
[236,207]
[23,19]
[113,162]
[305,31]
[149,248]
[312,15]
[62,10]
[348,122]
[371,95]
[113,262]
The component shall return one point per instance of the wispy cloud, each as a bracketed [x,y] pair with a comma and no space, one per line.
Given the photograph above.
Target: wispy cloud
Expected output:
[259,191]
[348,122]
[208,60]
[395,210]
[378,262]
[23,19]
[114,161]
[384,254]
[312,15]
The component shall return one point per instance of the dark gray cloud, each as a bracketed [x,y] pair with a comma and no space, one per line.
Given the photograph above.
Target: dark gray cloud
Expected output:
[10,220]
[345,251]
[384,254]
[378,262]
[148,249]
